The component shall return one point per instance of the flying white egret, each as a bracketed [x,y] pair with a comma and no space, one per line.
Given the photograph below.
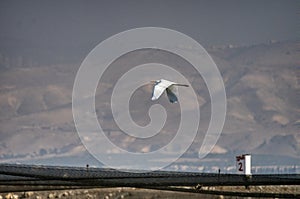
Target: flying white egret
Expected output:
[161,85]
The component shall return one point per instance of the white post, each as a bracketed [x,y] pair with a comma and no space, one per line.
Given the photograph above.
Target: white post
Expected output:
[247,164]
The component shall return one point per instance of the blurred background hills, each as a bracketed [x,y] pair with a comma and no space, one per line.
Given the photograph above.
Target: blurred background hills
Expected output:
[255,45]
[262,85]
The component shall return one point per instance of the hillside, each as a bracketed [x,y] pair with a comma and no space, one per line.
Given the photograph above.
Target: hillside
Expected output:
[263,109]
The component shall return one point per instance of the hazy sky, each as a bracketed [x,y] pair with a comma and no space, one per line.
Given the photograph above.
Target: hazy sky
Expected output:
[83,24]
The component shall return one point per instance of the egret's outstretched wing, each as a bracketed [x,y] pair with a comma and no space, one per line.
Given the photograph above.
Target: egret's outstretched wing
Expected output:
[160,87]
[171,93]
[157,92]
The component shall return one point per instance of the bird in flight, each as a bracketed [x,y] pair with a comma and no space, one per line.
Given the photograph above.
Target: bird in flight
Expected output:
[171,88]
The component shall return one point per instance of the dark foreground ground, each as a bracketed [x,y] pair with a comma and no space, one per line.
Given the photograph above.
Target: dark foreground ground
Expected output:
[37,182]
[292,191]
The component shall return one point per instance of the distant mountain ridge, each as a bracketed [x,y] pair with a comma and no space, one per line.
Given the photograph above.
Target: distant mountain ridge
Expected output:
[263,113]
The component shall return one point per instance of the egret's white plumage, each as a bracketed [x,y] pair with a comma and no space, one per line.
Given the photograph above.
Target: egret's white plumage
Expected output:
[164,85]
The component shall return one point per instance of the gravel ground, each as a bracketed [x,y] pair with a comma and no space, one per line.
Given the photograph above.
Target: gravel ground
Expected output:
[101,193]
[137,193]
